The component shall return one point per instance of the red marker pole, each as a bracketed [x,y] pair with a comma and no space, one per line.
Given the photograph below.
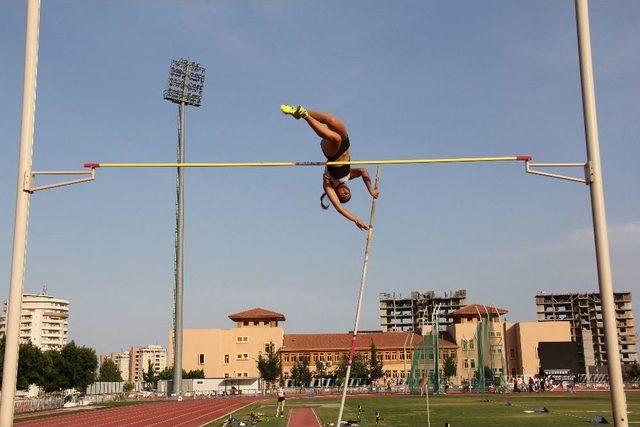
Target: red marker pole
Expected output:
[352,349]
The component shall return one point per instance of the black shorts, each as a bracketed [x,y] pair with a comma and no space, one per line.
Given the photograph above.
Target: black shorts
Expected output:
[280,399]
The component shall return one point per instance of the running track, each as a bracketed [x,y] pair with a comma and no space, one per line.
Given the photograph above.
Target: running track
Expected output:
[188,413]
[303,417]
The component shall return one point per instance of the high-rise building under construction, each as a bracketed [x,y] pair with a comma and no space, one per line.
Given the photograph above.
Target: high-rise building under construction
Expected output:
[411,312]
[584,311]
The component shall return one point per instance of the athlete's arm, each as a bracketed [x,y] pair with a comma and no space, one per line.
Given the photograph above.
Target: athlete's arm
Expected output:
[361,172]
[335,201]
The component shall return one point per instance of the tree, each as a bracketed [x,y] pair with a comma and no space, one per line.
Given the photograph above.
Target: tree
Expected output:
[79,365]
[489,376]
[321,370]
[359,368]
[127,387]
[269,365]
[634,373]
[300,372]
[31,366]
[149,377]
[109,371]
[54,378]
[194,374]
[53,370]
[375,365]
[450,368]
[166,373]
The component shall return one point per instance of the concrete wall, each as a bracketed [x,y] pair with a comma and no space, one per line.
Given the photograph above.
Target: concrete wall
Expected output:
[207,349]
[522,343]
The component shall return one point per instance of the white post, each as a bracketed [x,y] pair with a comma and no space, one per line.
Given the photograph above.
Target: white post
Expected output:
[618,399]
[10,367]
[363,278]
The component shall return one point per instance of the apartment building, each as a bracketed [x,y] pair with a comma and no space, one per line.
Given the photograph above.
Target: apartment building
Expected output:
[232,353]
[584,312]
[411,312]
[44,320]
[122,361]
[140,357]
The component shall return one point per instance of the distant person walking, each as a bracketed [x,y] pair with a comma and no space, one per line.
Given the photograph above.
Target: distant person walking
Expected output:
[280,406]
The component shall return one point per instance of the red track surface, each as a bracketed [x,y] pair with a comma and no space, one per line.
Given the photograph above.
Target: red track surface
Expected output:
[303,417]
[188,413]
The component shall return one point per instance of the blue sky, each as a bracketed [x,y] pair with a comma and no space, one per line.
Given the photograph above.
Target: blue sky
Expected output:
[410,79]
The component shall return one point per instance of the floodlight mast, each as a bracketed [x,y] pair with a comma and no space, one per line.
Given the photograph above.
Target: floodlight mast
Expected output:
[186,81]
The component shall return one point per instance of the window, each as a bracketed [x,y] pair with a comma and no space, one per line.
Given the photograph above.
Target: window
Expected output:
[464,344]
[245,323]
[512,353]
[256,323]
[265,323]
[239,374]
[473,363]
[268,346]
[466,363]
[201,359]
[246,374]
[286,357]
[226,374]
[226,358]
[239,357]
[471,345]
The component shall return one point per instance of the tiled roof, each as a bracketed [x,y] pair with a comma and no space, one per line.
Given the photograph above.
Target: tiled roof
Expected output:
[256,313]
[340,342]
[473,309]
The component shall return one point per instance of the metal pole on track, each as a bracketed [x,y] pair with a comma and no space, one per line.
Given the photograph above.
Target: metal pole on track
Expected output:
[618,399]
[363,278]
[21,222]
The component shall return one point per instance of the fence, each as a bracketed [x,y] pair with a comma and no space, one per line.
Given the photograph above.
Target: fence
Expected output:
[38,404]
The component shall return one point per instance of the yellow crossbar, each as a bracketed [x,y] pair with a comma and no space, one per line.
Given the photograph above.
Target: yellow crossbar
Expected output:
[291,164]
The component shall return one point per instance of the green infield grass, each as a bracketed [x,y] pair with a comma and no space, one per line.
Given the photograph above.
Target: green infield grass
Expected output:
[458,410]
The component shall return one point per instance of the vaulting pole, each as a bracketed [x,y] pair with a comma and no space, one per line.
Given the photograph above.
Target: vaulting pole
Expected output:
[352,349]
[21,222]
[618,399]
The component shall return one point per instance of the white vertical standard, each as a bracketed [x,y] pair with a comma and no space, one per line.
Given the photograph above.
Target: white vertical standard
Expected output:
[618,399]
[10,367]
[363,278]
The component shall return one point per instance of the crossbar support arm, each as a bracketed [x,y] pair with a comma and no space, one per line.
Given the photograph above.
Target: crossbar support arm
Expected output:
[587,171]
[89,175]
